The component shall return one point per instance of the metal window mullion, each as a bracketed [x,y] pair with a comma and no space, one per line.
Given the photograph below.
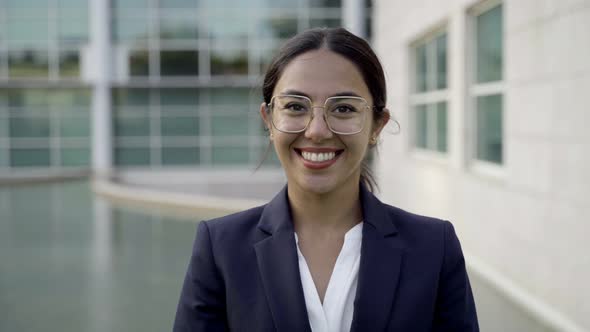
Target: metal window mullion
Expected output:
[3,49]
[251,44]
[205,60]
[4,121]
[303,16]
[155,141]
[55,137]
[154,41]
[52,43]
[253,133]
[206,149]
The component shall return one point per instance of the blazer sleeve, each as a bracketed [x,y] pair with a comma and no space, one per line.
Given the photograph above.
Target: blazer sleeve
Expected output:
[202,300]
[455,307]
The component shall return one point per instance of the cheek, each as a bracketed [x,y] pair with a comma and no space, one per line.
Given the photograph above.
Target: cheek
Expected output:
[282,144]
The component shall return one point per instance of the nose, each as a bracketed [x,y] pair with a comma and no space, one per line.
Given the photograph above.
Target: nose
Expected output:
[318,129]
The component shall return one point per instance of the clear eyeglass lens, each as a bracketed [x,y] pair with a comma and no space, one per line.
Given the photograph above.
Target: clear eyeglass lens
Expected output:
[344,115]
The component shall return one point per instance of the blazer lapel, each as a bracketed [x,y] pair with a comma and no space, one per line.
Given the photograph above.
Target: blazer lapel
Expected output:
[381,257]
[279,267]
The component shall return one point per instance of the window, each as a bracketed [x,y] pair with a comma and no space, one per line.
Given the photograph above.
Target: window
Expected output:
[429,97]
[185,126]
[44,127]
[486,83]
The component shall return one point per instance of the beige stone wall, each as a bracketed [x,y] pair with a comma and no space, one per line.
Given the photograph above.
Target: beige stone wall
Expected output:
[530,219]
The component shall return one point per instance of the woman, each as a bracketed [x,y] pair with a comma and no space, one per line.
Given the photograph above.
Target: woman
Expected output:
[325,254]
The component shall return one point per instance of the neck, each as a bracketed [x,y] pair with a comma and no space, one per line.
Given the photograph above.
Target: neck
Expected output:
[336,210]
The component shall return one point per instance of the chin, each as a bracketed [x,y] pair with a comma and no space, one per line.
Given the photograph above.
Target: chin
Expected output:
[317,184]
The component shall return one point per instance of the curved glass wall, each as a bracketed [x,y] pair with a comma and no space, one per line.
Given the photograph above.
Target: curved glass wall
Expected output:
[186,77]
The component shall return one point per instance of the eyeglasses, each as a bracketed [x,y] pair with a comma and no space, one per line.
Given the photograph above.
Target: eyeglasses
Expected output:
[344,115]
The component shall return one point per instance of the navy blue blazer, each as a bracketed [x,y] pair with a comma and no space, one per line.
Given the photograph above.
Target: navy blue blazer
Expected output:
[244,274]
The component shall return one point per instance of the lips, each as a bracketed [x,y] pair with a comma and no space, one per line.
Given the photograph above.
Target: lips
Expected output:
[318,158]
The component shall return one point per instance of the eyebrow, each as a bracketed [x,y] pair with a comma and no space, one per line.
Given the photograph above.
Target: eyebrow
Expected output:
[339,94]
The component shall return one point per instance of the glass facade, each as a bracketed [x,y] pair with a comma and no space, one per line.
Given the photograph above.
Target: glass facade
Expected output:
[429,96]
[44,127]
[185,84]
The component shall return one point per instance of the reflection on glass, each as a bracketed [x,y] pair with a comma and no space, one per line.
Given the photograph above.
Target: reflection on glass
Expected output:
[180,126]
[230,96]
[26,31]
[78,126]
[229,62]
[223,155]
[24,8]
[421,126]
[75,156]
[421,69]
[489,45]
[180,155]
[227,25]
[126,4]
[70,99]
[69,63]
[183,99]
[28,63]
[30,157]
[27,98]
[441,62]
[441,127]
[135,125]
[283,4]
[278,27]
[325,3]
[33,126]
[130,28]
[179,3]
[132,156]
[325,23]
[489,128]
[73,30]
[179,63]
[230,125]
[139,63]
[179,27]
[73,4]
[132,97]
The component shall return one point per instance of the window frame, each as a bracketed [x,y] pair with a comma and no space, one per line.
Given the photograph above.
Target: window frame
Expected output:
[431,97]
[476,90]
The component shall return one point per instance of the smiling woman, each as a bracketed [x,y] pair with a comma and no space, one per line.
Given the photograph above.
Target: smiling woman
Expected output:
[325,254]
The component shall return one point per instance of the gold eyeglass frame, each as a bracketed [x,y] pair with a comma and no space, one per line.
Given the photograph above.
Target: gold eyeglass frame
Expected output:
[270,107]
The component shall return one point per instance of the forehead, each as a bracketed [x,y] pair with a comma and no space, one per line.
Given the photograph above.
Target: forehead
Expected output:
[321,74]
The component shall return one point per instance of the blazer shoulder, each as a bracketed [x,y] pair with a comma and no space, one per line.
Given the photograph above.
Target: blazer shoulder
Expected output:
[239,223]
[416,227]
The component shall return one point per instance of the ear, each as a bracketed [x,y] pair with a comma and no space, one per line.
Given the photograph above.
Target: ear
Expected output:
[379,125]
[264,116]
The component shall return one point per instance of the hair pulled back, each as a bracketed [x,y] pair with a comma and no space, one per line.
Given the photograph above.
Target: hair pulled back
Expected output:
[346,44]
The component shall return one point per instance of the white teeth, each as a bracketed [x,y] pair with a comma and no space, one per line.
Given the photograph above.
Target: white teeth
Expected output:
[318,157]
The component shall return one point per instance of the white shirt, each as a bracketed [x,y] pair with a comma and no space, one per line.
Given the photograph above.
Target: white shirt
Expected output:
[335,315]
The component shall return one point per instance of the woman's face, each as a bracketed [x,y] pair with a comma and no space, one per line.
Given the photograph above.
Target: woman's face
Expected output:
[321,74]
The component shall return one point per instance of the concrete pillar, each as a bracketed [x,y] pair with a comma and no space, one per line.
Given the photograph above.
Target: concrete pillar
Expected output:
[353,17]
[101,95]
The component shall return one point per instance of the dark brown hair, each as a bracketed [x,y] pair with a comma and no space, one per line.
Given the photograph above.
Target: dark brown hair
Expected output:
[346,44]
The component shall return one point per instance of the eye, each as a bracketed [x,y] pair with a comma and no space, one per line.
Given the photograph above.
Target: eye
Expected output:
[295,107]
[344,109]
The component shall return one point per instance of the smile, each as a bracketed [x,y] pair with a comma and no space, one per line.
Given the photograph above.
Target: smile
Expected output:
[312,156]
[318,158]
